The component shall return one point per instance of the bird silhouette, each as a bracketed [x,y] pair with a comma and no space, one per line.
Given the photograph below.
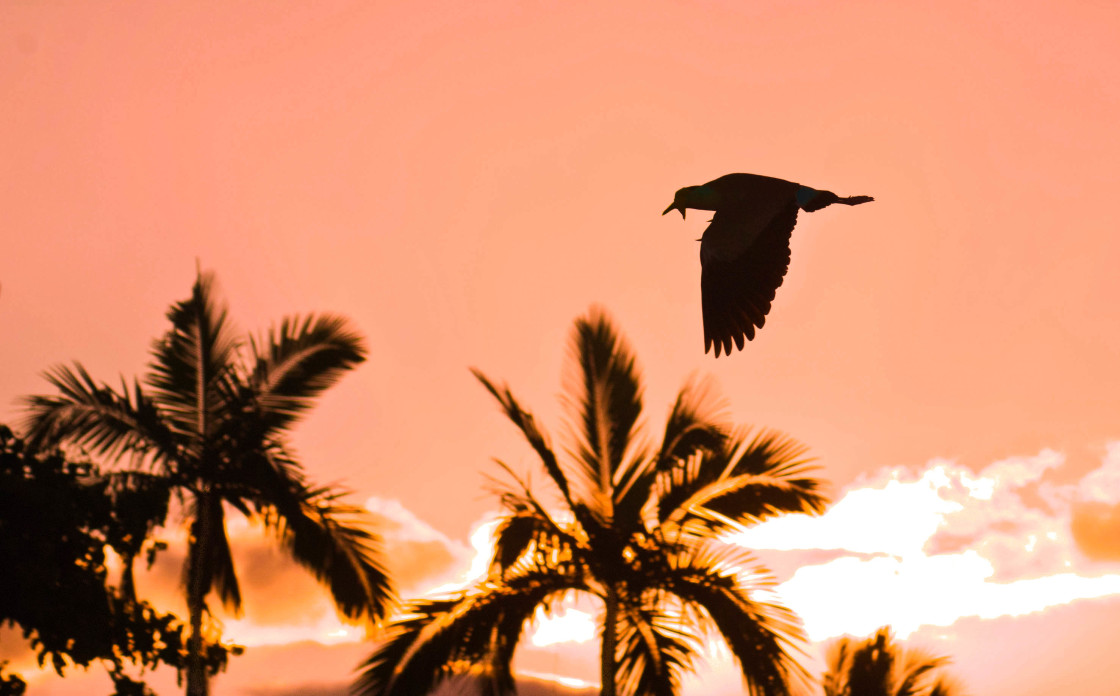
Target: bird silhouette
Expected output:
[744,252]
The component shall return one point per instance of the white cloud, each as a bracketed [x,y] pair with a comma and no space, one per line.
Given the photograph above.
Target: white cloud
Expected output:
[421,559]
[1102,485]
[944,544]
[916,549]
[853,595]
[565,625]
[482,541]
[1015,472]
[896,518]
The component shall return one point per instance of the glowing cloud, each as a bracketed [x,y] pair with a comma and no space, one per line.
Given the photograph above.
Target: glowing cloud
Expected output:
[943,545]
[896,519]
[419,556]
[1102,485]
[916,549]
[564,624]
[482,541]
[282,601]
[567,625]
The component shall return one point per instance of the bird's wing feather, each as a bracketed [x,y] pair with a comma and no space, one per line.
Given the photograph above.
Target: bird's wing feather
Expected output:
[738,285]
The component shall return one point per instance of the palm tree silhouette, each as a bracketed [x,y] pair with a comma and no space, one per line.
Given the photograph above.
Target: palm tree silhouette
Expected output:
[211,422]
[878,666]
[632,525]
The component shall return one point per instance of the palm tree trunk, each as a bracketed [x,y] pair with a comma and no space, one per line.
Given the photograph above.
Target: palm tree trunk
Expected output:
[610,633]
[198,683]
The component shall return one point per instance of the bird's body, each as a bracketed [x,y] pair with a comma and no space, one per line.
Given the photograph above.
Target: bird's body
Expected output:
[744,252]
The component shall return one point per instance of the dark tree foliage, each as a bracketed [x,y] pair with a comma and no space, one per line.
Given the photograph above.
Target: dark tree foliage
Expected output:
[881,666]
[57,520]
[210,422]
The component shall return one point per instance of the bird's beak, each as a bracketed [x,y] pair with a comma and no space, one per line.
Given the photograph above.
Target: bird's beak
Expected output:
[675,207]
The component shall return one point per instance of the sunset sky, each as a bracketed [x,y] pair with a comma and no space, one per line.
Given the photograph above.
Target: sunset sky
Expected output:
[464,179]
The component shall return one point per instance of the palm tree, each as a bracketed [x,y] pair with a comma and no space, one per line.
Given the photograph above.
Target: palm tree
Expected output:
[635,527]
[211,422]
[879,666]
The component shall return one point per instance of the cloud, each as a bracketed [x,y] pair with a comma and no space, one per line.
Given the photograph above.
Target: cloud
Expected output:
[282,601]
[566,624]
[1095,506]
[922,548]
[276,592]
[895,518]
[901,547]
[418,556]
[1102,485]
[928,548]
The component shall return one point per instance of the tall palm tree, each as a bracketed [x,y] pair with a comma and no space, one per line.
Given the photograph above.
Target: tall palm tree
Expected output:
[211,421]
[879,666]
[634,526]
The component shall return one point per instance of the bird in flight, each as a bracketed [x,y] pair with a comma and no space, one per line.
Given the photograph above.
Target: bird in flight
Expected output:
[744,252]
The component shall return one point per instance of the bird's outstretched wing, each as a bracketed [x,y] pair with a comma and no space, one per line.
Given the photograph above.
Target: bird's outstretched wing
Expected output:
[738,284]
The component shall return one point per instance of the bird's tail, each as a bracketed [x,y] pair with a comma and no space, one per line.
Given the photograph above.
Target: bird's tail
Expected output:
[822,199]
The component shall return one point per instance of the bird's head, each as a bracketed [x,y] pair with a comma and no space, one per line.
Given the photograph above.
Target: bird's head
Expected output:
[681,200]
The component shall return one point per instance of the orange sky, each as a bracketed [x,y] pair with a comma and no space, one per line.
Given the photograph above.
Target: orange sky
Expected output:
[464,179]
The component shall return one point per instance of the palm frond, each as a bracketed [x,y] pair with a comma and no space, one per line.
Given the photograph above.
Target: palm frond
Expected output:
[329,538]
[652,653]
[634,493]
[437,639]
[191,359]
[693,425]
[98,417]
[835,679]
[539,442]
[224,574]
[879,666]
[742,483]
[721,558]
[872,665]
[915,674]
[527,524]
[946,686]
[514,536]
[695,422]
[764,637]
[379,671]
[677,486]
[529,533]
[333,541]
[604,388]
[297,360]
[525,422]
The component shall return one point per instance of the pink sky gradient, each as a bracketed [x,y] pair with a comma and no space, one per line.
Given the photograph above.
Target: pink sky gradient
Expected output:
[463,179]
